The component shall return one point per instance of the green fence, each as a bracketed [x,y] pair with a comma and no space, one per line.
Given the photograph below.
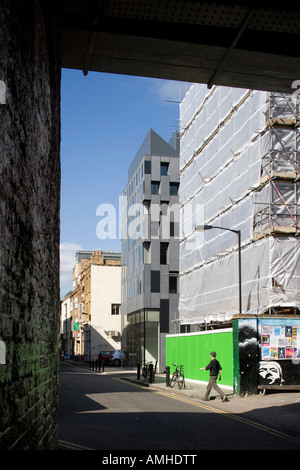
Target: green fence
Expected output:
[193,351]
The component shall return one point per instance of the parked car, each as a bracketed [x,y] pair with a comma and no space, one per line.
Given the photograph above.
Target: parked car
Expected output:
[105,356]
[113,357]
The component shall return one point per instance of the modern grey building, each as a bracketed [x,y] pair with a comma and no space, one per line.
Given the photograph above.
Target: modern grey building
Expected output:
[150,248]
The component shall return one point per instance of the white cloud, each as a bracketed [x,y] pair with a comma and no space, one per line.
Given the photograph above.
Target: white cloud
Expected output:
[67,263]
[169,89]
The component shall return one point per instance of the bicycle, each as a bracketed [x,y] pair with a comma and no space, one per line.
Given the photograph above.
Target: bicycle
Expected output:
[178,376]
[146,370]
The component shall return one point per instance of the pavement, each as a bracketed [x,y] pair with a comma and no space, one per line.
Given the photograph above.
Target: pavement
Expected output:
[275,409]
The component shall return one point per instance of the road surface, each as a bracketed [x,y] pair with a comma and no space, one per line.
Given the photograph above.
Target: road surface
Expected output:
[104,412]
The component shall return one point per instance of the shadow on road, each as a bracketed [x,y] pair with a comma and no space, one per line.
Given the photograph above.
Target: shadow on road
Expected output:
[102,412]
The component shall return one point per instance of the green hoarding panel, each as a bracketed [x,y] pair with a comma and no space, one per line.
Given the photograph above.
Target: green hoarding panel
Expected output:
[193,351]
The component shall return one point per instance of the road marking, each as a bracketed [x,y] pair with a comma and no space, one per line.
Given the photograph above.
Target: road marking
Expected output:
[233,416]
[70,445]
[223,412]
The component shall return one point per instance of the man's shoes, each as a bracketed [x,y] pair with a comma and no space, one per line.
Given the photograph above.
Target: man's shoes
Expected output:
[204,399]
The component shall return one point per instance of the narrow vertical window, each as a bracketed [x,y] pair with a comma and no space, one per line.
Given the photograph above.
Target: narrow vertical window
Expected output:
[147,168]
[173,277]
[155,281]
[115,309]
[164,168]
[172,229]
[146,253]
[174,189]
[164,253]
[154,187]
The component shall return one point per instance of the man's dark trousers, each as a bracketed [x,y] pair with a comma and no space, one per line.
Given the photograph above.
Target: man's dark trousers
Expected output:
[213,384]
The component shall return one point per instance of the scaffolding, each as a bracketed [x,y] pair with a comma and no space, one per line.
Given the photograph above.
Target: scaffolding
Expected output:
[239,164]
[277,197]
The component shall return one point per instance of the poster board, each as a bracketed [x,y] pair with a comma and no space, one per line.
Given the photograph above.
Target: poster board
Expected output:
[280,341]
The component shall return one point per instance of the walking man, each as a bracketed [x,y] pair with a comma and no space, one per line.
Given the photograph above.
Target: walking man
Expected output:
[215,369]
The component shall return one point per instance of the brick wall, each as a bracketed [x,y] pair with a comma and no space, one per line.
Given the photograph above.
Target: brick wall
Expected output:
[29,224]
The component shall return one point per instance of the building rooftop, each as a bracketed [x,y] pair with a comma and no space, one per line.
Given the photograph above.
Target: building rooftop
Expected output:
[107,254]
[153,144]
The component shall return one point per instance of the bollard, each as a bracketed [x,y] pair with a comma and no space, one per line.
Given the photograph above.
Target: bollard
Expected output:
[167,376]
[102,363]
[151,370]
[138,375]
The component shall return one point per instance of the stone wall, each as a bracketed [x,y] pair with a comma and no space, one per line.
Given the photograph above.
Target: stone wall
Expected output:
[29,224]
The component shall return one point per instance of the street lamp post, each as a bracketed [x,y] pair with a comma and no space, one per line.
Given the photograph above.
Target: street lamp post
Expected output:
[201,228]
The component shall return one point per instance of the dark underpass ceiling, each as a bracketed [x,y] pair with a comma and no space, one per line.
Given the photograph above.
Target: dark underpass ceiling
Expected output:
[226,44]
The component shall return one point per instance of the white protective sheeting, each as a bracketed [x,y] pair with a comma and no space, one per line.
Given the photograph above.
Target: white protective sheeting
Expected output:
[270,277]
[227,148]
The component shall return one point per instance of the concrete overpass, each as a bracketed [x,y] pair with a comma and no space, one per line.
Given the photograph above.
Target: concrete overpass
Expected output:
[225,43]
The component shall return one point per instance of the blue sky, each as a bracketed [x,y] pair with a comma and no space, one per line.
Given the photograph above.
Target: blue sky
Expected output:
[105,118]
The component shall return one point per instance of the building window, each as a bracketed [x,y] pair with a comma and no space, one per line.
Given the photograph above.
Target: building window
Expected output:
[173,283]
[154,187]
[172,229]
[164,316]
[147,167]
[164,253]
[185,328]
[146,253]
[115,309]
[164,168]
[146,205]
[155,281]
[174,189]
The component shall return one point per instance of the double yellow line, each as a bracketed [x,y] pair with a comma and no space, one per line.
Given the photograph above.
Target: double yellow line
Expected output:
[212,409]
[233,416]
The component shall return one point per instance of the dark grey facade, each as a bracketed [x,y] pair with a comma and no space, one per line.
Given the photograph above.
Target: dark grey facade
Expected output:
[150,248]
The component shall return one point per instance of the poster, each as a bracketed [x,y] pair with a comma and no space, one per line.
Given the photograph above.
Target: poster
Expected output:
[280,342]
